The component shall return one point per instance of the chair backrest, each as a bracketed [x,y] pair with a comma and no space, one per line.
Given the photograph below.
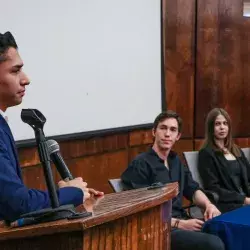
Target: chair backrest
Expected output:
[117,185]
[246,152]
[191,159]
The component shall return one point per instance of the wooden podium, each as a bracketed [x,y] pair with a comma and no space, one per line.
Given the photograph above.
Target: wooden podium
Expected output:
[136,219]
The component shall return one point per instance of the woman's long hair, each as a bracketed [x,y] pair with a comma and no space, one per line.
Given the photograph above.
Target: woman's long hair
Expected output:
[209,132]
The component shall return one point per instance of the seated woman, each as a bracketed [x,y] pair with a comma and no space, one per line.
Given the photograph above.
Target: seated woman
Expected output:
[222,165]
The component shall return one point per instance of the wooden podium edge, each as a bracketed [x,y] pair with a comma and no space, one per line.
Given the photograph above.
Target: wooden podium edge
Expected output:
[159,196]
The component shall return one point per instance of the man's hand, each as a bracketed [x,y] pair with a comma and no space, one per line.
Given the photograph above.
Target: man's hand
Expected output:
[191,225]
[94,192]
[78,183]
[201,200]
[211,211]
[247,201]
[92,202]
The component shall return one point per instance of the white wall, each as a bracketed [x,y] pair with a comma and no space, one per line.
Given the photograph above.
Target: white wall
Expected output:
[94,64]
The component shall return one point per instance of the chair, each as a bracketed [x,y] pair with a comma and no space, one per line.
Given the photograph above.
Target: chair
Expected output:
[191,159]
[117,185]
[246,152]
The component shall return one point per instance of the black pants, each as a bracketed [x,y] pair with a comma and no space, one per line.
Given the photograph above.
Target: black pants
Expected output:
[185,240]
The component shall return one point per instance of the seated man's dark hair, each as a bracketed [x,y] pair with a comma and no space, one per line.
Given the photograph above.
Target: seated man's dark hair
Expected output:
[168,114]
[6,41]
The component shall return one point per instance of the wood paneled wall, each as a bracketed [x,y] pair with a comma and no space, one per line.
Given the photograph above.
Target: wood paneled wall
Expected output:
[207,64]
[96,159]
[179,30]
[207,51]
[219,72]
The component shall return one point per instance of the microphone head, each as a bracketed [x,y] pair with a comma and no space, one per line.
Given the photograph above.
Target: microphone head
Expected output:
[52,146]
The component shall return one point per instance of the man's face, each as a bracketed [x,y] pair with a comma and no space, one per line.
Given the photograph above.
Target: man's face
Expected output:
[12,80]
[166,134]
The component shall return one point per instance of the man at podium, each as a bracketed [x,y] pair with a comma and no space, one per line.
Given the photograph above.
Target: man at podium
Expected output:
[161,164]
[15,197]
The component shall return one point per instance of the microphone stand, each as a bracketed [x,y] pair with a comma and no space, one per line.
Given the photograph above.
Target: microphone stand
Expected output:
[36,120]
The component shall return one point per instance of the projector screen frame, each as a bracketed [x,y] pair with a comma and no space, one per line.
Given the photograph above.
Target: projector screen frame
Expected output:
[86,135]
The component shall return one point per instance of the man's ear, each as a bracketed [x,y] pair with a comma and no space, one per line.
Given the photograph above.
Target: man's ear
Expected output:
[178,137]
[153,132]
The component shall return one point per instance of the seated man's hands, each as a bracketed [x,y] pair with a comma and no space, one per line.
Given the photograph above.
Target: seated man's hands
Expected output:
[211,211]
[191,224]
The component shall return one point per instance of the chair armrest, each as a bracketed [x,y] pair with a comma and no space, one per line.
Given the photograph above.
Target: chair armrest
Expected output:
[194,212]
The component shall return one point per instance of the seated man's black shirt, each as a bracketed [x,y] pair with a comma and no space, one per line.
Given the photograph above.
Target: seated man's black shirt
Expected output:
[148,168]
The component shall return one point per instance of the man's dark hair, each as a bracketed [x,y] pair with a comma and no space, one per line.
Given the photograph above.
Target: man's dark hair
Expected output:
[6,41]
[168,114]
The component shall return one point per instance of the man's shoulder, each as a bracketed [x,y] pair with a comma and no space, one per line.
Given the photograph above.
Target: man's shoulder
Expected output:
[142,156]
[145,158]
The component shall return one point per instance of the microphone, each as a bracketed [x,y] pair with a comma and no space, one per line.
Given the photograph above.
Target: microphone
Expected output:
[55,156]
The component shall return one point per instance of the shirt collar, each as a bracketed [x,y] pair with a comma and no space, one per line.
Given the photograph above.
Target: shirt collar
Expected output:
[171,154]
[3,114]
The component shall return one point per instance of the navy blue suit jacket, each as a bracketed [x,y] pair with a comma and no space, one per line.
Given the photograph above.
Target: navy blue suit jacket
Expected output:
[15,197]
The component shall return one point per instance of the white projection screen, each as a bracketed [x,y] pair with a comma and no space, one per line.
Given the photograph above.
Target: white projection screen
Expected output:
[93,64]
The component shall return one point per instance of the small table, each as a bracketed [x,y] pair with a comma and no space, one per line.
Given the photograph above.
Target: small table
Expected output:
[232,227]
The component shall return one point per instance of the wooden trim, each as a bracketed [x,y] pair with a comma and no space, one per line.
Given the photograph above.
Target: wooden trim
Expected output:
[86,135]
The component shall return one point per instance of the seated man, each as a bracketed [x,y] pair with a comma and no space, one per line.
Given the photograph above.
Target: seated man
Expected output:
[15,198]
[160,164]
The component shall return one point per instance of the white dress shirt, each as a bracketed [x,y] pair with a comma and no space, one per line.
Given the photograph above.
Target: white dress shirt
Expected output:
[3,114]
